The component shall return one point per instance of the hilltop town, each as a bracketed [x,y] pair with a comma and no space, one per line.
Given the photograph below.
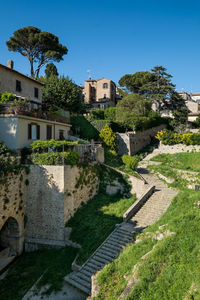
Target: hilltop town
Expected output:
[99,183]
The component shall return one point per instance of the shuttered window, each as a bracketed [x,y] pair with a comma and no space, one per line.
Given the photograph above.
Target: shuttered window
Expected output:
[33,132]
[49,132]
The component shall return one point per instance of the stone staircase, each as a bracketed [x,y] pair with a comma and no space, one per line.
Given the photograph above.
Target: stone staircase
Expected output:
[149,213]
[106,253]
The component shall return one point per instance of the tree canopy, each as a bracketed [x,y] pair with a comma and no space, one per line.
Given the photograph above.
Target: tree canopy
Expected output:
[51,70]
[132,108]
[39,47]
[155,86]
[61,92]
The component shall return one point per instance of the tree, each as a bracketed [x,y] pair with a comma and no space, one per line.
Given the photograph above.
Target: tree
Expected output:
[109,137]
[39,47]
[134,82]
[155,86]
[61,92]
[51,70]
[130,110]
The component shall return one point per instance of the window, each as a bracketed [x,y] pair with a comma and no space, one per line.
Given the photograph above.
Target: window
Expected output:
[105,85]
[49,132]
[61,135]
[18,86]
[33,132]
[36,93]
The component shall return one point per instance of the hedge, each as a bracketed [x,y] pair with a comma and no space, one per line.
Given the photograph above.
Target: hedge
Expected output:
[168,137]
[130,162]
[42,146]
[55,158]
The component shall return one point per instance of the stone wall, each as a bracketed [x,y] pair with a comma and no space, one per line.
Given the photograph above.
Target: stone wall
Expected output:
[53,196]
[12,211]
[131,142]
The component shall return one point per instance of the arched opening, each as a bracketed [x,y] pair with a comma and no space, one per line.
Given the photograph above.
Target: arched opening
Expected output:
[10,236]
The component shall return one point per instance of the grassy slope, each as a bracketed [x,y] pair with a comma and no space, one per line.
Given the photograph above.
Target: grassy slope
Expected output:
[30,266]
[95,221]
[171,268]
[182,161]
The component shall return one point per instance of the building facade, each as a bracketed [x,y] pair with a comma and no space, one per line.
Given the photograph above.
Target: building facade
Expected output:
[20,126]
[100,93]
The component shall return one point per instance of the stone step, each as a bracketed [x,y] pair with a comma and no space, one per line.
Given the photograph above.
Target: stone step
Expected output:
[86,272]
[99,258]
[126,231]
[114,247]
[90,269]
[106,255]
[122,236]
[81,281]
[82,276]
[116,242]
[110,250]
[78,285]
[97,263]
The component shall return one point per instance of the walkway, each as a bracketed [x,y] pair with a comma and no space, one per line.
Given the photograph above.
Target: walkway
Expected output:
[151,211]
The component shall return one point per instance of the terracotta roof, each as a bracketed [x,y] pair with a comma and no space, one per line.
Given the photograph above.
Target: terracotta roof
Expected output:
[21,74]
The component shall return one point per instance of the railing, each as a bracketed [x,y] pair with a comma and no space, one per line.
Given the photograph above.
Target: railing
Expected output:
[25,111]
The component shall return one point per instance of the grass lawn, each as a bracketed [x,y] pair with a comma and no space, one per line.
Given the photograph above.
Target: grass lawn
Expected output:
[182,161]
[27,269]
[93,222]
[118,164]
[172,268]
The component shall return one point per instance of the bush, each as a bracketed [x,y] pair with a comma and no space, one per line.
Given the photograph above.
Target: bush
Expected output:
[168,137]
[56,158]
[6,97]
[43,146]
[109,138]
[110,154]
[97,114]
[130,162]
[110,114]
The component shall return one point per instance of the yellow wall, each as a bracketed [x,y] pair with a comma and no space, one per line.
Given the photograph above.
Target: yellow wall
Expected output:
[23,140]
[8,84]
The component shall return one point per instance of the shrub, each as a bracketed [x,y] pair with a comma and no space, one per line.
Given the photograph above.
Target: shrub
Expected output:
[110,154]
[42,146]
[56,158]
[6,97]
[110,114]
[130,162]
[109,137]
[97,114]
[168,137]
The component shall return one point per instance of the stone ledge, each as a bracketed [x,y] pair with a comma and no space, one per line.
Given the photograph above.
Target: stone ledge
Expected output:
[32,244]
[138,204]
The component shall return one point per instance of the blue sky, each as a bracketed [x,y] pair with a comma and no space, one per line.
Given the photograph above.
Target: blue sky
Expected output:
[112,38]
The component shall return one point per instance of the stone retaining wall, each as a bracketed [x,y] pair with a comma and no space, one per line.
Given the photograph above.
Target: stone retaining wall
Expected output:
[131,142]
[53,196]
[12,211]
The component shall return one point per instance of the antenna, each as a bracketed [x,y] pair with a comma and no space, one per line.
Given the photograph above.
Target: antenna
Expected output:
[89,73]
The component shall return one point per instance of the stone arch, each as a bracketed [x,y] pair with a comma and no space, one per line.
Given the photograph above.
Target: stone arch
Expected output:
[10,236]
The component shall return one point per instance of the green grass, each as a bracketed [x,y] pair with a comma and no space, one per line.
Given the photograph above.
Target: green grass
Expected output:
[118,164]
[93,222]
[171,268]
[182,161]
[28,268]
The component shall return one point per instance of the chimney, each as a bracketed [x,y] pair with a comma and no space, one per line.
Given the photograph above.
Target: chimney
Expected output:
[10,64]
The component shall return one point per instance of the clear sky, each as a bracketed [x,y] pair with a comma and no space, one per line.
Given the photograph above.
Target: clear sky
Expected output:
[112,38]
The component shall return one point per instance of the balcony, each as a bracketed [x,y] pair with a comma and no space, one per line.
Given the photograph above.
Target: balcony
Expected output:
[25,110]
